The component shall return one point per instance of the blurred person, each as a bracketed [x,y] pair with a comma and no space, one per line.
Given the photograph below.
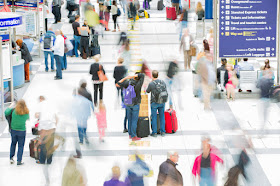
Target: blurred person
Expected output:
[207,75]
[101,121]
[56,10]
[20,114]
[158,92]
[46,12]
[25,55]
[88,5]
[48,40]
[168,173]
[77,34]
[199,11]
[132,13]
[265,84]
[230,81]
[82,4]
[84,43]
[186,43]
[123,38]
[175,3]
[233,175]
[58,53]
[97,84]
[136,172]
[221,68]
[92,18]
[184,21]
[123,4]
[136,82]
[126,54]
[67,47]
[71,6]
[172,71]
[114,10]
[73,174]
[145,69]
[116,173]
[83,90]
[211,41]
[244,65]
[107,9]
[205,164]
[81,111]
[206,46]
[119,73]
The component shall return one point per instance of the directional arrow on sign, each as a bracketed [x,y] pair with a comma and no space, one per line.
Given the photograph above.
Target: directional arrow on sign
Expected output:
[222,28]
[272,49]
[223,7]
[266,28]
[272,54]
[222,33]
[222,1]
[270,28]
[222,12]
[273,38]
[222,23]
[222,17]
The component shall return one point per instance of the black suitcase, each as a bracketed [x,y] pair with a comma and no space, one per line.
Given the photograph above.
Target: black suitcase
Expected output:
[143,127]
[160,5]
[94,51]
[158,124]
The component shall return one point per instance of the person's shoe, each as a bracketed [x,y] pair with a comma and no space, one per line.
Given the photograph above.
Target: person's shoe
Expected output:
[114,30]
[63,69]
[125,130]
[20,163]
[87,142]
[56,78]
[52,70]
[239,90]
[27,81]
[76,156]
[249,90]
[154,135]
[163,134]
[130,137]
[136,138]
[101,141]
[12,161]
[46,70]
[55,23]
[81,143]
[38,162]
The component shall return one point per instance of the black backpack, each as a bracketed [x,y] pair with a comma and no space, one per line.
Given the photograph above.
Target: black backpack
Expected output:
[47,41]
[160,93]
[9,119]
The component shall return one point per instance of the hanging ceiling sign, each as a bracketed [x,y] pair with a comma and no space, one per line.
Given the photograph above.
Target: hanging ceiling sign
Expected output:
[10,20]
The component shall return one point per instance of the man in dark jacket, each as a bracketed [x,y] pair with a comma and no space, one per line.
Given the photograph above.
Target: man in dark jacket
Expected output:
[168,174]
[133,111]
[223,67]
[83,90]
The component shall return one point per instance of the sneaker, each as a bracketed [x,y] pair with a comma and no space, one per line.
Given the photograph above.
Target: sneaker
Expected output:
[12,161]
[46,70]
[154,135]
[125,130]
[136,138]
[76,156]
[163,134]
[20,163]
[81,143]
[101,141]
[129,137]
[52,70]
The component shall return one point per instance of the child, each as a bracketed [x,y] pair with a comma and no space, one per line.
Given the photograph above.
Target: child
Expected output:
[101,121]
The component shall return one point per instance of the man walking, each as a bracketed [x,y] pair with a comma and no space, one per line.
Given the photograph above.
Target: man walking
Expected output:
[56,10]
[168,174]
[159,97]
[77,34]
[133,87]
[48,40]
[58,53]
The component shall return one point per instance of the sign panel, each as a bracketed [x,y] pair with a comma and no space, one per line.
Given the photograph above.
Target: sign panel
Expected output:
[248,28]
[6,61]
[5,37]
[10,22]
[23,3]
[29,23]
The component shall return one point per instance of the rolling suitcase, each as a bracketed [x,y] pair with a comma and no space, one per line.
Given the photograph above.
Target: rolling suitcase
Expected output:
[171,13]
[160,5]
[171,124]
[143,127]
[71,52]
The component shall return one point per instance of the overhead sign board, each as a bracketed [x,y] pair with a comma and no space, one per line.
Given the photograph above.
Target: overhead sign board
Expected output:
[10,20]
[23,3]
[248,28]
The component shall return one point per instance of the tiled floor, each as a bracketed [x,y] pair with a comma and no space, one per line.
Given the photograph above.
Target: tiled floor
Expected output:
[157,41]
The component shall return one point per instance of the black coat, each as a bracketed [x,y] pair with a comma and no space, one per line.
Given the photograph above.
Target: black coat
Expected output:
[25,54]
[94,68]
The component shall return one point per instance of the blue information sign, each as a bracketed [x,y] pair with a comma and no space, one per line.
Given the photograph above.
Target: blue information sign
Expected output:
[10,22]
[248,28]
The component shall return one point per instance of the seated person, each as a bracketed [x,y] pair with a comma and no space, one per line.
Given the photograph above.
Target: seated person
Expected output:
[245,66]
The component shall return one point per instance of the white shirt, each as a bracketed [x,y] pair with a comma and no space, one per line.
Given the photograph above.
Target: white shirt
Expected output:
[47,116]
[114,10]
[59,46]
[187,42]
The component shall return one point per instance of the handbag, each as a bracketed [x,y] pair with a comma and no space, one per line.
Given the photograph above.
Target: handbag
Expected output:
[234,80]
[102,77]
[193,51]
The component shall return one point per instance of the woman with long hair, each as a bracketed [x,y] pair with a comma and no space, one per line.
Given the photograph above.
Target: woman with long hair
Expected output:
[199,11]
[114,10]
[25,55]
[20,114]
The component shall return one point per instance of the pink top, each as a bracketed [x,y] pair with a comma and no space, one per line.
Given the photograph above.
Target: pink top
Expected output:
[101,119]
[213,160]
[211,44]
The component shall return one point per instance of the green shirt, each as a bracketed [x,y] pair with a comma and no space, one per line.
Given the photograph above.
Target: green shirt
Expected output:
[18,121]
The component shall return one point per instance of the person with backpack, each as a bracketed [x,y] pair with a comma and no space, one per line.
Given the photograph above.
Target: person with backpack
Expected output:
[172,71]
[115,13]
[18,114]
[48,40]
[159,97]
[132,98]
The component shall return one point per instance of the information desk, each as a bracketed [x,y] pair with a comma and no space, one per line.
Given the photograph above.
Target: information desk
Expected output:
[18,74]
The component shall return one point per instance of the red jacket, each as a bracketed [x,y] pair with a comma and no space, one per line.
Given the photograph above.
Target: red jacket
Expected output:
[213,160]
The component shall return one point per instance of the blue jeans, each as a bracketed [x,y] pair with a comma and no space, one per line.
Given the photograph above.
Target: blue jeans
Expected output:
[47,53]
[77,43]
[125,119]
[184,24]
[64,62]
[82,134]
[46,149]
[132,117]
[169,89]
[18,137]
[160,108]
[58,60]
[206,178]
